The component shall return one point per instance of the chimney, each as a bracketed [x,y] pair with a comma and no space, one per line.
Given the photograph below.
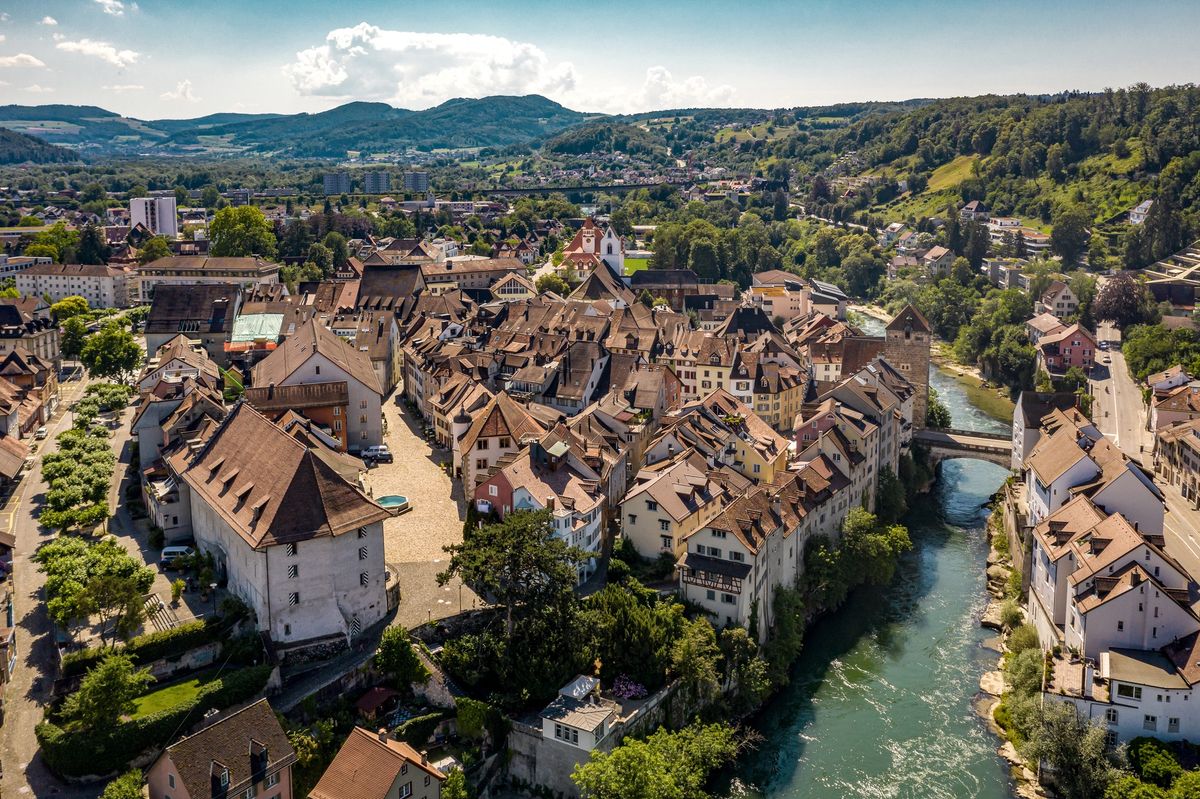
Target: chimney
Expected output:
[550,504]
[383,734]
[271,391]
[424,757]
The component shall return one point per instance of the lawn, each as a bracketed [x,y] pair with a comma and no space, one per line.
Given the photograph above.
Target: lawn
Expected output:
[172,695]
[636,265]
[948,176]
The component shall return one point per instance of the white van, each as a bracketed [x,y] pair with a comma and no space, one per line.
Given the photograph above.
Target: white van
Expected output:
[170,555]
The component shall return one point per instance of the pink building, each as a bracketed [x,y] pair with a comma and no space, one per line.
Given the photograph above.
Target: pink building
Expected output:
[1063,349]
[245,753]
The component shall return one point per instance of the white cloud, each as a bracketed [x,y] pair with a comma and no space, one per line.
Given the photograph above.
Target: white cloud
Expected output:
[183,91]
[36,89]
[48,20]
[102,50]
[661,90]
[114,7]
[3,16]
[21,60]
[2,37]
[121,88]
[423,69]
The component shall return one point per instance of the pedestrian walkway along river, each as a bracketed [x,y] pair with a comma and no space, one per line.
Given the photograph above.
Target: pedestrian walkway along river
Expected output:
[880,699]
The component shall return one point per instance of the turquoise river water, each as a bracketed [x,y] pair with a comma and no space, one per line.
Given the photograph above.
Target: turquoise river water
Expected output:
[879,704]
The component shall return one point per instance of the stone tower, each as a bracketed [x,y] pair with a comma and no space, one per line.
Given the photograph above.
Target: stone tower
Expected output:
[906,346]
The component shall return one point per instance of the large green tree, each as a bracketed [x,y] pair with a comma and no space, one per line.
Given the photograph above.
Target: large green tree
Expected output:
[93,248]
[666,765]
[152,249]
[106,693]
[242,231]
[1069,235]
[111,353]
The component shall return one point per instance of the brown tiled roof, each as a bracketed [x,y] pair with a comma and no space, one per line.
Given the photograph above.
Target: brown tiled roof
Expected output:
[204,263]
[276,491]
[1054,455]
[503,416]
[12,456]
[909,315]
[229,743]
[308,339]
[305,395]
[76,270]
[212,305]
[366,768]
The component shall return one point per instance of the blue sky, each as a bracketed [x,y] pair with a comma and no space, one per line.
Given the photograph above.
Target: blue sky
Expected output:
[155,59]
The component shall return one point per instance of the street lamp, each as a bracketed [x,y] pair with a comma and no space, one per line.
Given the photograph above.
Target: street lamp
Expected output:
[212,589]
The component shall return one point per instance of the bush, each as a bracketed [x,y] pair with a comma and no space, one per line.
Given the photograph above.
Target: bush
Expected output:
[1010,615]
[1022,638]
[157,537]
[148,648]
[1154,761]
[105,752]
[416,732]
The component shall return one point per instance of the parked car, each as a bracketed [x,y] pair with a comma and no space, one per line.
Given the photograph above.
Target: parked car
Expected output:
[171,556]
[41,433]
[379,454]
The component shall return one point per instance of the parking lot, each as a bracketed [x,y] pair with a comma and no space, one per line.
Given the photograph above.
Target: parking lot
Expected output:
[413,541]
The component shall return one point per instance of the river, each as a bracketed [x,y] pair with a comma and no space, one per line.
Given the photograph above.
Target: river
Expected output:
[879,704]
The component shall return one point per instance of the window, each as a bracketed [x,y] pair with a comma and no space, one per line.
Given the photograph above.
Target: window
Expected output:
[362,404]
[362,532]
[317,369]
[651,505]
[1172,724]
[1129,691]
[663,524]
[293,571]
[406,790]
[287,630]
[272,780]
[503,443]
[737,557]
[1110,716]
[294,598]
[171,780]
[337,425]
[757,468]
[403,768]
[364,579]
[718,533]
[482,443]
[1150,722]
[250,793]
[633,518]
[291,550]
[710,595]
[362,419]
[480,464]
[224,779]
[493,491]
[729,599]
[666,541]
[426,780]
[362,553]
[1120,625]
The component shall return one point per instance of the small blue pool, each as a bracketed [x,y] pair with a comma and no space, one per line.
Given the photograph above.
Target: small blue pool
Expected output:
[394,502]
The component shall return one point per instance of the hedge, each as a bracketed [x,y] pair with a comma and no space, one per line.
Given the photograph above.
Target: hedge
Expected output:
[101,752]
[416,731]
[146,649]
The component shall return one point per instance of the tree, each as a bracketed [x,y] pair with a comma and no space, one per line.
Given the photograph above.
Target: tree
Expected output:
[398,659]
[694,658]
[210,196]
[455,786]
[1154,762]
[1130,787]
[517,563]
[117,600]
[321,257]
[152,249]
[976,249]
[241,231]
[107,693]
[891,501]
[93,248]
[937,415]
[69,307]
[1124,300]
[43,251]
[1187,786]
[92,192]
[340,251]
[60,239]
[702,259]
[74,334]
[1069,235]
[871,546]
[666,765]
[551,282]
[111,353]
[1074,748]
[126,786]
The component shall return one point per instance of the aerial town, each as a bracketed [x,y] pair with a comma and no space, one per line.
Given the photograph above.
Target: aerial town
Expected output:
[498,449]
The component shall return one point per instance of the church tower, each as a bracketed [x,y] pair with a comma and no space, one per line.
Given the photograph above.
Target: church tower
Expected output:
[907,339]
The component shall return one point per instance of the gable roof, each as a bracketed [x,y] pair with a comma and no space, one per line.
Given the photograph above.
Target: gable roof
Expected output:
[229,742]
[276,491]
[309,339]
[910,316]
[366,767]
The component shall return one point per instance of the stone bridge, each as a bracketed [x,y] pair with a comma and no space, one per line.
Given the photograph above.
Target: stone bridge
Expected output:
[950,443]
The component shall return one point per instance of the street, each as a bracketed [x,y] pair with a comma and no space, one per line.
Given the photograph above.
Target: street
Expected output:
[1120,414]
[24,772]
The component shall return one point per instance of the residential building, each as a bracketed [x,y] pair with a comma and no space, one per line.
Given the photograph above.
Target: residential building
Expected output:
[156,214]
[203,313]
[593,245]
[1163,382]
[102,286]
[245,753]
[295,541]
[374,765]
[375,183]
[336,183]
[1028,412]
[1177,457]
[468,273]
[1062,350]
[974,211]
[198,270]
[1058,300]
[175,361]
[24,326]
[937,262]
[313,355]
[1138,214]
[416,182]
[1176,405]
[670,499]
[1044,324]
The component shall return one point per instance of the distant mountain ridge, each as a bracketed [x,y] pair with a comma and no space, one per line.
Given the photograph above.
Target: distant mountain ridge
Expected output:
[369,127]
[18,148]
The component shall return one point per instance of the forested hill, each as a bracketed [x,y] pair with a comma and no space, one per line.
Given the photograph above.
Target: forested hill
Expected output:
[1022,155]
[18,148]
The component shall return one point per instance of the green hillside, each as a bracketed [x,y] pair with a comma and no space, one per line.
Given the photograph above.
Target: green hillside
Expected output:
[19,148]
